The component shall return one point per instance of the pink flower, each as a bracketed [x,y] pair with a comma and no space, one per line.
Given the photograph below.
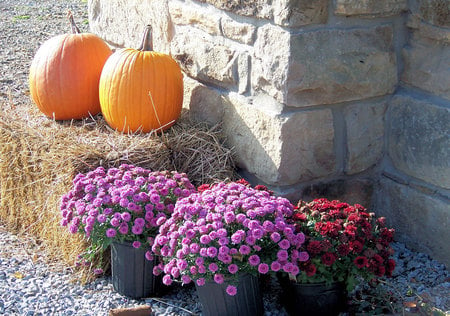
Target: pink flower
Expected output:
[212,252]
[148,256]
[263,268]
[185,279]
[201,269]
[200,281]
[199,261]
[284,244]
[233,268]
[244,250]
[218,278]
[205,239]
[231,290]
[254,260]
[275,237]
[111,232]
[136,244]
[137,230]
[213,267]
[167,280]
[282,255]
[123,229]
[275,266]
[193,270]
[303,256]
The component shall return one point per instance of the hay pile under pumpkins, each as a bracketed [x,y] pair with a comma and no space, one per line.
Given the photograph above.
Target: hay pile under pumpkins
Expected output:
[40,157]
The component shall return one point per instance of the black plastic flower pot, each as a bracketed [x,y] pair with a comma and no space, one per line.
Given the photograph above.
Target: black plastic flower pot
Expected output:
[132,273]
[247,301]
[318,299]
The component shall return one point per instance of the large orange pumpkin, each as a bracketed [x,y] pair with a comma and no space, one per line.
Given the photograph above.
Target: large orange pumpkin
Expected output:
[141,90]
[65,73]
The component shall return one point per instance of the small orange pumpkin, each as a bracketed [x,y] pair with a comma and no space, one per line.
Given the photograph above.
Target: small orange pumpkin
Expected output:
[141,90]
[65,73]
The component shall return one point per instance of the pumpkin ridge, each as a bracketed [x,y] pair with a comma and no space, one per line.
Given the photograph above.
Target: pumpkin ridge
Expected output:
[60,74]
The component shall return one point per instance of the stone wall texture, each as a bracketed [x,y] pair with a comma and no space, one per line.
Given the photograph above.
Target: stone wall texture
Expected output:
[347,99]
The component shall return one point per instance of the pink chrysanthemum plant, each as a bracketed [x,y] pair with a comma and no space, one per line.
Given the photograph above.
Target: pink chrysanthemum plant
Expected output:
[344,243]
[224,230]
[125,204]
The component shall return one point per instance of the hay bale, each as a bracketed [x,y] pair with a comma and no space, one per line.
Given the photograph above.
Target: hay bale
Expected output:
[40,157]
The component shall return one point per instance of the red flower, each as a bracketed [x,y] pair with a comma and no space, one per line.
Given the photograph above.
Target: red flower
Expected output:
[299,217]
[243,181]
[261,187]
[343,250]
[378,258]
[380,271]
[350,230]
[328,258]
[361,262]
[310,270]
[203,187]
[314,247]
[356,246]
[390,266]
[381,221]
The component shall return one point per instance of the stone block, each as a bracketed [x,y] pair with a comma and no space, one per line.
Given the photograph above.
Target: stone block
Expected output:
[427,59]
[292,13]
[421,221]
[370,7]
[365,135]
[238,31]
[271,61]
[418,139]
[295,13]
[258,8]
[423,30]
[121,22]
[436,12]
[205,60]
[188,14]
[205,104]
[353,64]
[280,148]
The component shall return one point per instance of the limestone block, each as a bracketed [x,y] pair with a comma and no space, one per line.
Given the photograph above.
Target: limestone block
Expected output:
[121,22]
[421,221]
[295,13]
[324,66]
[370,7]
[436,12]
[418,139]
[423,30]
[280,148]
[205,104]
[258,8]
[291,13]
[427,59]
[238,31]
[188,14]
[365,135]
[271,61]
[331,66]
[204,59]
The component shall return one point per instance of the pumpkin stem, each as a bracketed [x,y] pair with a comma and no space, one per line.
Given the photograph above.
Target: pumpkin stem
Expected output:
[147,39]
[74,26]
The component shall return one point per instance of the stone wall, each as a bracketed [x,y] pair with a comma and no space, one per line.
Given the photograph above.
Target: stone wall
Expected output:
[347,99]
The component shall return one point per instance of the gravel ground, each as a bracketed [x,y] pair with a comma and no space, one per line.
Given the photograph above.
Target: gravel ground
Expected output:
[31,285]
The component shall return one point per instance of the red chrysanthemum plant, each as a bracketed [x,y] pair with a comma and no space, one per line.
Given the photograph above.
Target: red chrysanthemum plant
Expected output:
[344,242]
